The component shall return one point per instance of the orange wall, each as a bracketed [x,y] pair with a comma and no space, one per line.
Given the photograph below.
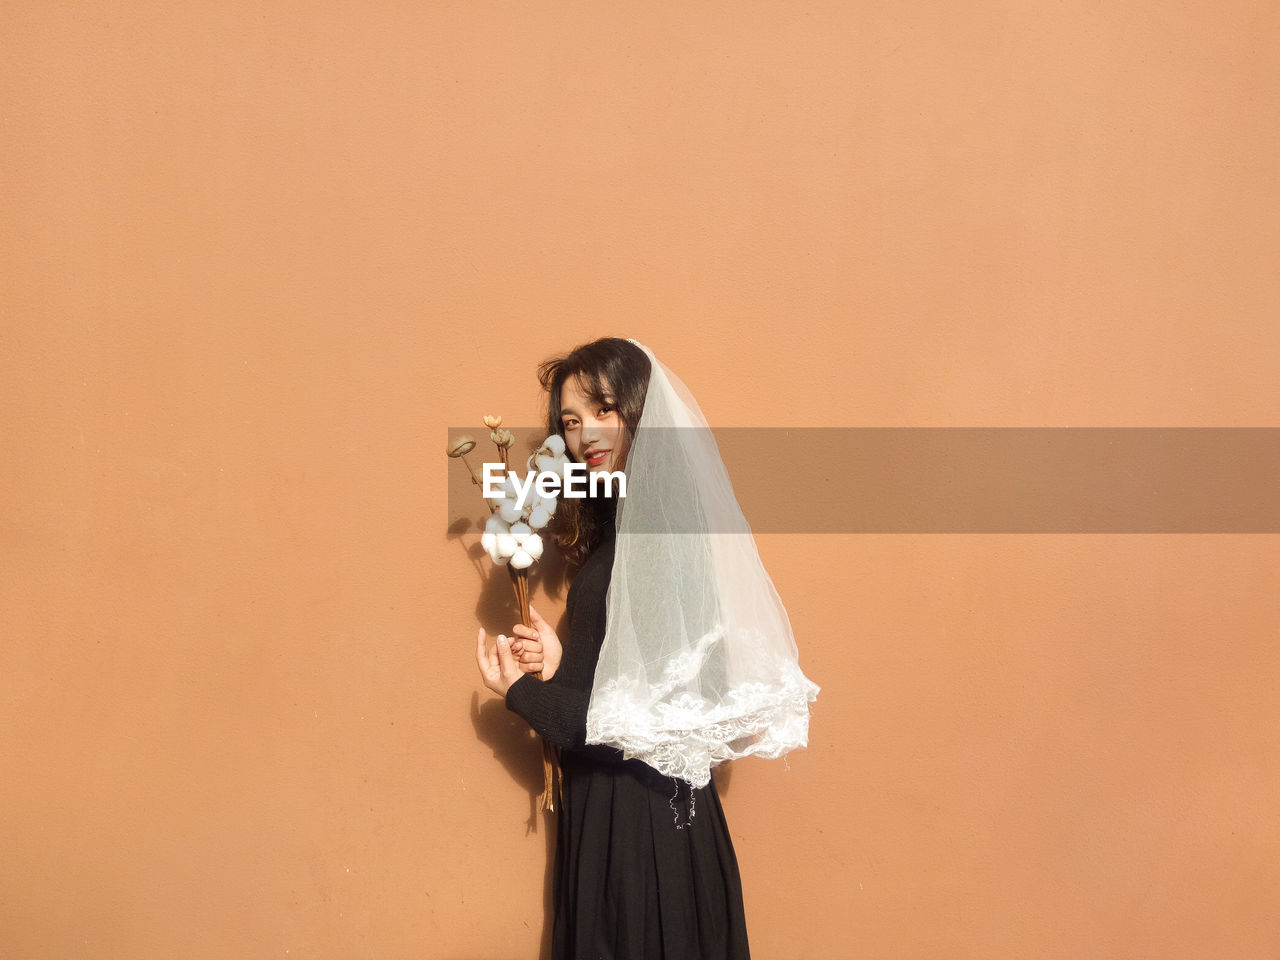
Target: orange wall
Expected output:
[257,258]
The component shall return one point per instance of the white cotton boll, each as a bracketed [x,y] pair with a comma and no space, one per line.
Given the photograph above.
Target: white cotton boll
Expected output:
[507,545]
[540,517]
[532,545]
[509,511]
[520,560]
[552,464]
[519,531]
[555,443]
[494,527]
[549,504]
[500,560]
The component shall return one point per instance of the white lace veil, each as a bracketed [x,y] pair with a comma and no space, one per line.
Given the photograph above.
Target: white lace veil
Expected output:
[698,663]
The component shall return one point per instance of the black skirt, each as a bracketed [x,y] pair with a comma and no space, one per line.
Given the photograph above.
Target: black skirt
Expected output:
[645,868]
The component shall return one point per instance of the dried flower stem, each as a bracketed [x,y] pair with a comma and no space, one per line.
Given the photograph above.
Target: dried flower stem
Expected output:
[521,580]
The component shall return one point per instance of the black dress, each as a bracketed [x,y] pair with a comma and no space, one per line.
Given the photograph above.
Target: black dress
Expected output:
[645,868]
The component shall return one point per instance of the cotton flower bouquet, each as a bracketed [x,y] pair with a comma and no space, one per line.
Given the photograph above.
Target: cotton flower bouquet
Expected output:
[511,534]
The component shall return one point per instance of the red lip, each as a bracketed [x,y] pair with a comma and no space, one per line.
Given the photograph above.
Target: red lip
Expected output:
[588,457]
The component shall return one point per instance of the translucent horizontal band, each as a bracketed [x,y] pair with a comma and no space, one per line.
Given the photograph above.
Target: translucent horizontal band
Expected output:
[976,479]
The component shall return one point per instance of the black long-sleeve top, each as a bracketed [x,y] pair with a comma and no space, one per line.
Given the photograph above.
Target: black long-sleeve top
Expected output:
[557,708]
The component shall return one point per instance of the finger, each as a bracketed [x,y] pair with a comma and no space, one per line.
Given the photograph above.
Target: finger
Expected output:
[536,617]
[505,659]
[528,633]
[485,660]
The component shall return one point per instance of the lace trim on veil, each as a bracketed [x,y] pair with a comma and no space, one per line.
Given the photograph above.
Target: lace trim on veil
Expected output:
[682,734]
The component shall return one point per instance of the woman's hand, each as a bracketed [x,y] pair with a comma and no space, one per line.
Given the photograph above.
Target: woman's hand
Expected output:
[537,647]
[498,668]
[533,649]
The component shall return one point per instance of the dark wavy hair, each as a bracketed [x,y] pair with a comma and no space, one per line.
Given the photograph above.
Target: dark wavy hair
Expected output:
[609,370]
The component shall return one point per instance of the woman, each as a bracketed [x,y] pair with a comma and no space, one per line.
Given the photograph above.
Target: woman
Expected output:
[645,867]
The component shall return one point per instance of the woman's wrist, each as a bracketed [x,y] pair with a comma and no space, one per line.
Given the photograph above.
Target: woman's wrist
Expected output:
[515,691]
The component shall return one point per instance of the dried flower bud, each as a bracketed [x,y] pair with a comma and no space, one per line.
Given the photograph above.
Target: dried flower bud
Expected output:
[502,437]
[459,446]
[493,423]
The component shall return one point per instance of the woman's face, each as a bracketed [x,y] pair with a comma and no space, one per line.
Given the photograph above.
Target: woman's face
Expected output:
[594,433]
